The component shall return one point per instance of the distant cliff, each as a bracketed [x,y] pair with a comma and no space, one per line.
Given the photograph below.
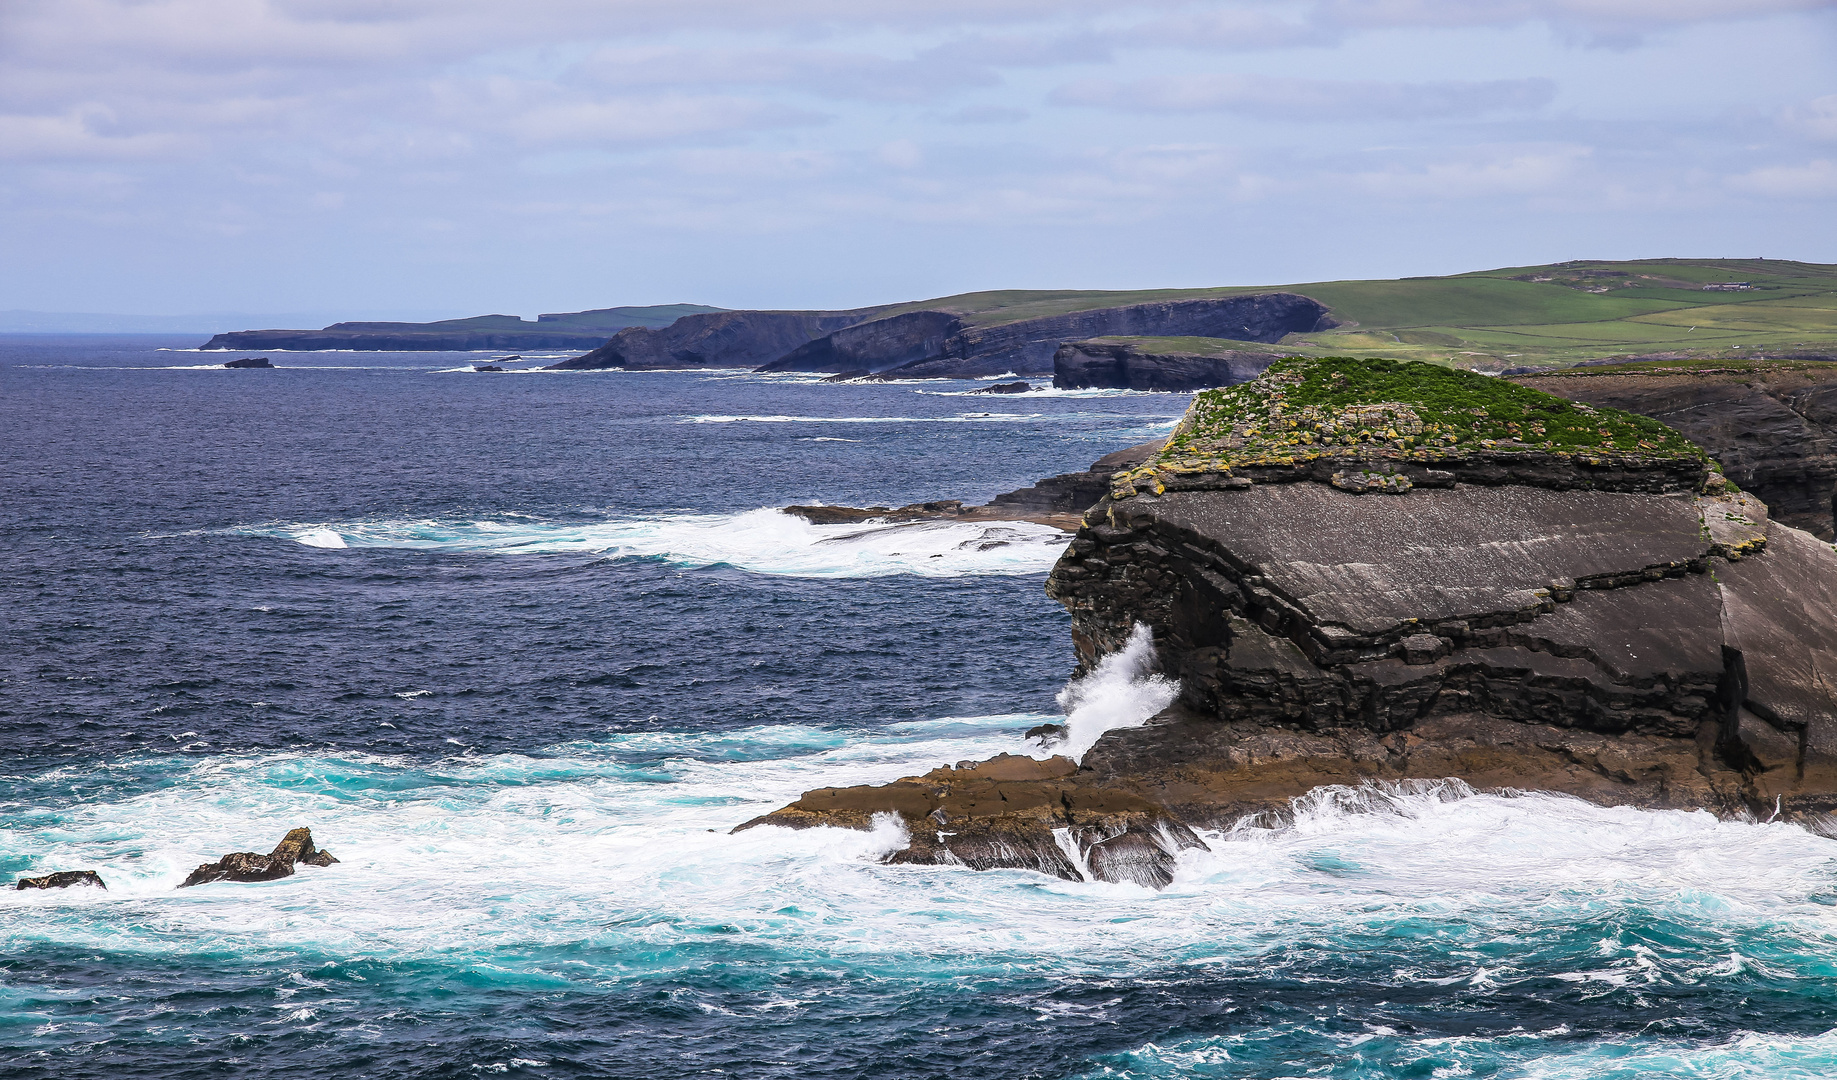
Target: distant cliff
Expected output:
[1027,346]
[724,340]
[1153,364]
[566,330]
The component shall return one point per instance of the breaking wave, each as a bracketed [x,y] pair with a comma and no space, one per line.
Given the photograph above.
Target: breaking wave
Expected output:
[1123,691]
[765,541]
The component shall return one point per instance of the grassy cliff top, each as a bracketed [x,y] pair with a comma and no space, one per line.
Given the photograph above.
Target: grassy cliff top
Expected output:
[1304,408]
[1515,316]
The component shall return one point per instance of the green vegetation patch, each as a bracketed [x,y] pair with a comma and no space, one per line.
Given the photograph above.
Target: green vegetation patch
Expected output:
[1305,408]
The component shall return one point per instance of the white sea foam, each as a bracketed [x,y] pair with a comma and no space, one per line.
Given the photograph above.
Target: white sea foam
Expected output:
[621,847]
[1123,691]
[766,541]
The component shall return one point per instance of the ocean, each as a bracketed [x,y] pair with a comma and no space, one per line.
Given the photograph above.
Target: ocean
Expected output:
[521,649]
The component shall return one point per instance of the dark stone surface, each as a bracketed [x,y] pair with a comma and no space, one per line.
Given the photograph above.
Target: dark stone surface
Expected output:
[296,847]
[1020,387]
[737,339]
[1078,365]
[1772,428]
[63,879]
[249,362]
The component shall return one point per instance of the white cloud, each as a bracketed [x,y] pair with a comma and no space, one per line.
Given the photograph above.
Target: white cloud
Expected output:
[1308,99]
[1542,171]
[1814,180]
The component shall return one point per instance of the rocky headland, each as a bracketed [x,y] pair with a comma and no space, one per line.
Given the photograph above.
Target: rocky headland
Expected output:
[936,343]
[1377,571]
[563,330]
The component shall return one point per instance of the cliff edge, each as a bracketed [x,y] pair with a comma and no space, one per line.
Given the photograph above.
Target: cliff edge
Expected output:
[1386,571]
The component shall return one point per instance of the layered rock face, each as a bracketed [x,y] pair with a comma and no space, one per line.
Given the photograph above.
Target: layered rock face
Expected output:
[1371,571]
[875,345]
[1120,365]
[1027,346]
[718,339]
[1772,426]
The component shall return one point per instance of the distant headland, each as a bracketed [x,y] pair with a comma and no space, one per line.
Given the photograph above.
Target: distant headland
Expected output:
[1508,320]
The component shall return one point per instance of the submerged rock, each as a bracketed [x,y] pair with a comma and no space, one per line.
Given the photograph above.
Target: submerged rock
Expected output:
[63,879]
[1020,387]
[1561,598]
[295,847]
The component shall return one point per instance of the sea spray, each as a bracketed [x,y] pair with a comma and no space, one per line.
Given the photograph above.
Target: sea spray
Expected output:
[1122,691]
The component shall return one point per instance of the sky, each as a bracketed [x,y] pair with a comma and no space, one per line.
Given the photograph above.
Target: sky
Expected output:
[433,158]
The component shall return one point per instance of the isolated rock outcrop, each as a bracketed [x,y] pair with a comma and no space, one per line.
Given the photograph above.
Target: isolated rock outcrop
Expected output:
[1152,365]
[1378,571]
[296,847]
[1772,425]
[63,879]
[249,362]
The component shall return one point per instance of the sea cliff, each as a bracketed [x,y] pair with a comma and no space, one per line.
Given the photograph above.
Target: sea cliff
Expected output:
[1363,571]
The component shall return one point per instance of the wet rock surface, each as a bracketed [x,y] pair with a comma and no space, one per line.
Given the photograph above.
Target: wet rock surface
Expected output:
[295,848]
[249,362]
[1612,622]
[63,879]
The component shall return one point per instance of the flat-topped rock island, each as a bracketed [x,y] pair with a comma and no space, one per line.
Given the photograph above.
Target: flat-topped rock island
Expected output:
[1390,571]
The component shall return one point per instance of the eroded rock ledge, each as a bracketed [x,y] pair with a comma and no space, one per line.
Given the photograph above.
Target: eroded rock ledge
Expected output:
[1379,571]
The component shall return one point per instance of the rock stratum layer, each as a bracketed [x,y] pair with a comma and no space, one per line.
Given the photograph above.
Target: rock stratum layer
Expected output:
[1771,425]
[1376,571]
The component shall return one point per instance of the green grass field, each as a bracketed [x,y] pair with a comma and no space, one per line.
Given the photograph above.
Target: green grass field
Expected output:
[1523,316]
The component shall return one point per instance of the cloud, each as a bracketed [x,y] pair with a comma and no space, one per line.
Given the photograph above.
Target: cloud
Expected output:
[1307,99]
[1814,180]
[79,134]
[826,73]
[1487,173]
[1816,119]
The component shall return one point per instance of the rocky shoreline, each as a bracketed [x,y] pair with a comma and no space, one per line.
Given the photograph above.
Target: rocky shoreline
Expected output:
[1368,571]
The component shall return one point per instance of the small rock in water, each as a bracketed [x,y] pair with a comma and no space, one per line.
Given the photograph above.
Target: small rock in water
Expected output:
[1005,388]
[295,847]
[249,362]
[1049,734]
[63,879]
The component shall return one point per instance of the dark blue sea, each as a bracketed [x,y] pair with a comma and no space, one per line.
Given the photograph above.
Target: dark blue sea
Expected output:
[522,648]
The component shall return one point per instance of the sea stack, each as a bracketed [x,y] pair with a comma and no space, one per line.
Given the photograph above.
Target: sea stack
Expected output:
[1389,571]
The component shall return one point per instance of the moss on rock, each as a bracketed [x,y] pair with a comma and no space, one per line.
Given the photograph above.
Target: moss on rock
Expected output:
[1313,409]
